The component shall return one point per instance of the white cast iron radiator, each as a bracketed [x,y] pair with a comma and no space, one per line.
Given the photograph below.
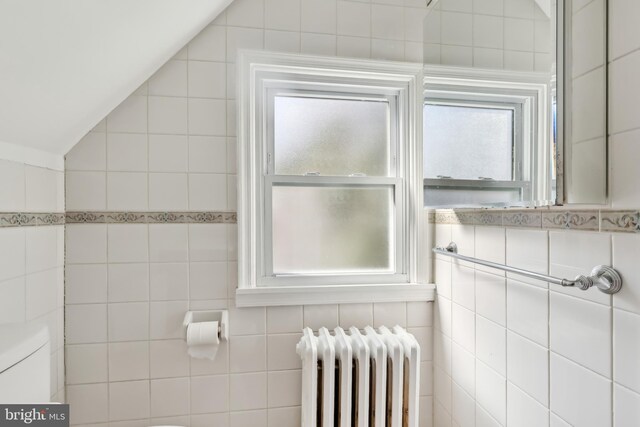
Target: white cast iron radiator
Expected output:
[360,379]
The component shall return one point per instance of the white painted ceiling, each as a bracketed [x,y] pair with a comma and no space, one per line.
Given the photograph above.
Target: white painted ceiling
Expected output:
[65,64]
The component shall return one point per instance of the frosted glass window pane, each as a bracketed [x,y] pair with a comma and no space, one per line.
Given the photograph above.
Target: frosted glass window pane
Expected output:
[326,230]
[468,142]
[331,136]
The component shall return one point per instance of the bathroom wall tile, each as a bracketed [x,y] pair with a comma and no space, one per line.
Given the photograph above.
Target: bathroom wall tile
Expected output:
[626,349]
[281,352]
[282,41]
[358,315]
[463,286]
[528,367]
[248,391]
[284,319]
[462,23]
[169,397]
[41,248]
[84,243]
[208,192]
[129,361]
[248,353]
[463,405]
[622,95]
[207,280]
[528,311]
[528,250]
[442,315]
[488,31]
[354,19]
[625,37]
[443,276]
[207,242]
[86,323]
[85,190]
[209,45]
[127,191]
[129,321]
[242,38]
[464,238]
[209,394]
[491,392]
[168,243]
[442,389]
[207,117]
[41,293]
[127,152]
[168,115]
[491,297]
[318,16]
[168,192]
[623,149]
[419,314]
[626,407]
[129,400]
[442,352]
[128,243]
[207,79]
[283,417]
[12,301]
[463,368]
[206,420]
[128,282]
[490,245]
[318,316]
[169,281]
[283,388]
[491,346]
[390,314]
[626,249]
[91,402]
[569,380]
[44,190]
[86,363]
[247,321]
[166,319]
[170,79]
[12,186]
[208,154]
[524,411]
[581,331]
[246,13]
[129,116]
[256,418]
[278,15]
[168,358]
[89,154]
[463,327]
[168,153]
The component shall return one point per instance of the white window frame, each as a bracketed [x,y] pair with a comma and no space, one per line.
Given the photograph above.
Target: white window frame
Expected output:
[260,75]
[529,90]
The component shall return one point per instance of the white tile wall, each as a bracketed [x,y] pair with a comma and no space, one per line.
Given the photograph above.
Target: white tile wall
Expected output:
[533,349]
[499,34]
[32,258]
[171,146]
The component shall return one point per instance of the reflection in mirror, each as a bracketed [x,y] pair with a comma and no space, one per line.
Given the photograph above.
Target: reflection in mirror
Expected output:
[493,102]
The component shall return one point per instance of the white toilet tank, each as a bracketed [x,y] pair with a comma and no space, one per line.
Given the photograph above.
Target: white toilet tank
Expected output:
[24,363]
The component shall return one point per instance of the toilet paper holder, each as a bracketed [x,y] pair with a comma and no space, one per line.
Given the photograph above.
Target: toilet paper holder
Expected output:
[220,316]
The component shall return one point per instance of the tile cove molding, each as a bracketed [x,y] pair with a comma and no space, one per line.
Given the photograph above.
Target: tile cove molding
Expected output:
[31,219]
[583,220]
[205,217]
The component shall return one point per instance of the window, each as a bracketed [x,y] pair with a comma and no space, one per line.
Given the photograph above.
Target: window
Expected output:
[478,137]
[329,180]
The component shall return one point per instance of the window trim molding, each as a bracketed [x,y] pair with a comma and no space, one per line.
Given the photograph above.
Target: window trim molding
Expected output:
[405,78]
[533,91]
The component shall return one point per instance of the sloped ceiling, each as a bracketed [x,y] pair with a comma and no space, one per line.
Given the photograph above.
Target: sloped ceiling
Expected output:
[65,64]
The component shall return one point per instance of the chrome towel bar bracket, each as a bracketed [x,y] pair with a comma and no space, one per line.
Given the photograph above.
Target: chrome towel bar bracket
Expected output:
[603,277]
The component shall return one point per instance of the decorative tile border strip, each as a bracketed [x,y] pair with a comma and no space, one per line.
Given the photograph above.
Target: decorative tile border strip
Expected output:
[208,217]
[31,219]
[585,220]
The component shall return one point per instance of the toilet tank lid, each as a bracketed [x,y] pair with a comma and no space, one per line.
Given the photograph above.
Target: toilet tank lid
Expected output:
[19,341]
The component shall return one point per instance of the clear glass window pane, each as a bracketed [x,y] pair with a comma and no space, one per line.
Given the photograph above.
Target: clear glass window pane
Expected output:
[468,142]
[331,136]
[332,230]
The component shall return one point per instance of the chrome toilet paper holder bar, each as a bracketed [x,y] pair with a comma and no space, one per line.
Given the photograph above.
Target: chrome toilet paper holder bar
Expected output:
[220,316]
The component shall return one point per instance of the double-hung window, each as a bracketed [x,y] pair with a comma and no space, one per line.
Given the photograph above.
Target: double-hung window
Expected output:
[330,177]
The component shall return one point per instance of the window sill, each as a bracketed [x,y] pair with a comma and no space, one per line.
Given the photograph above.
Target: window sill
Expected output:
[343,294]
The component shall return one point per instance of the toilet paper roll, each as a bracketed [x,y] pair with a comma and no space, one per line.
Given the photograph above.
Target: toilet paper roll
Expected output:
[203,340]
